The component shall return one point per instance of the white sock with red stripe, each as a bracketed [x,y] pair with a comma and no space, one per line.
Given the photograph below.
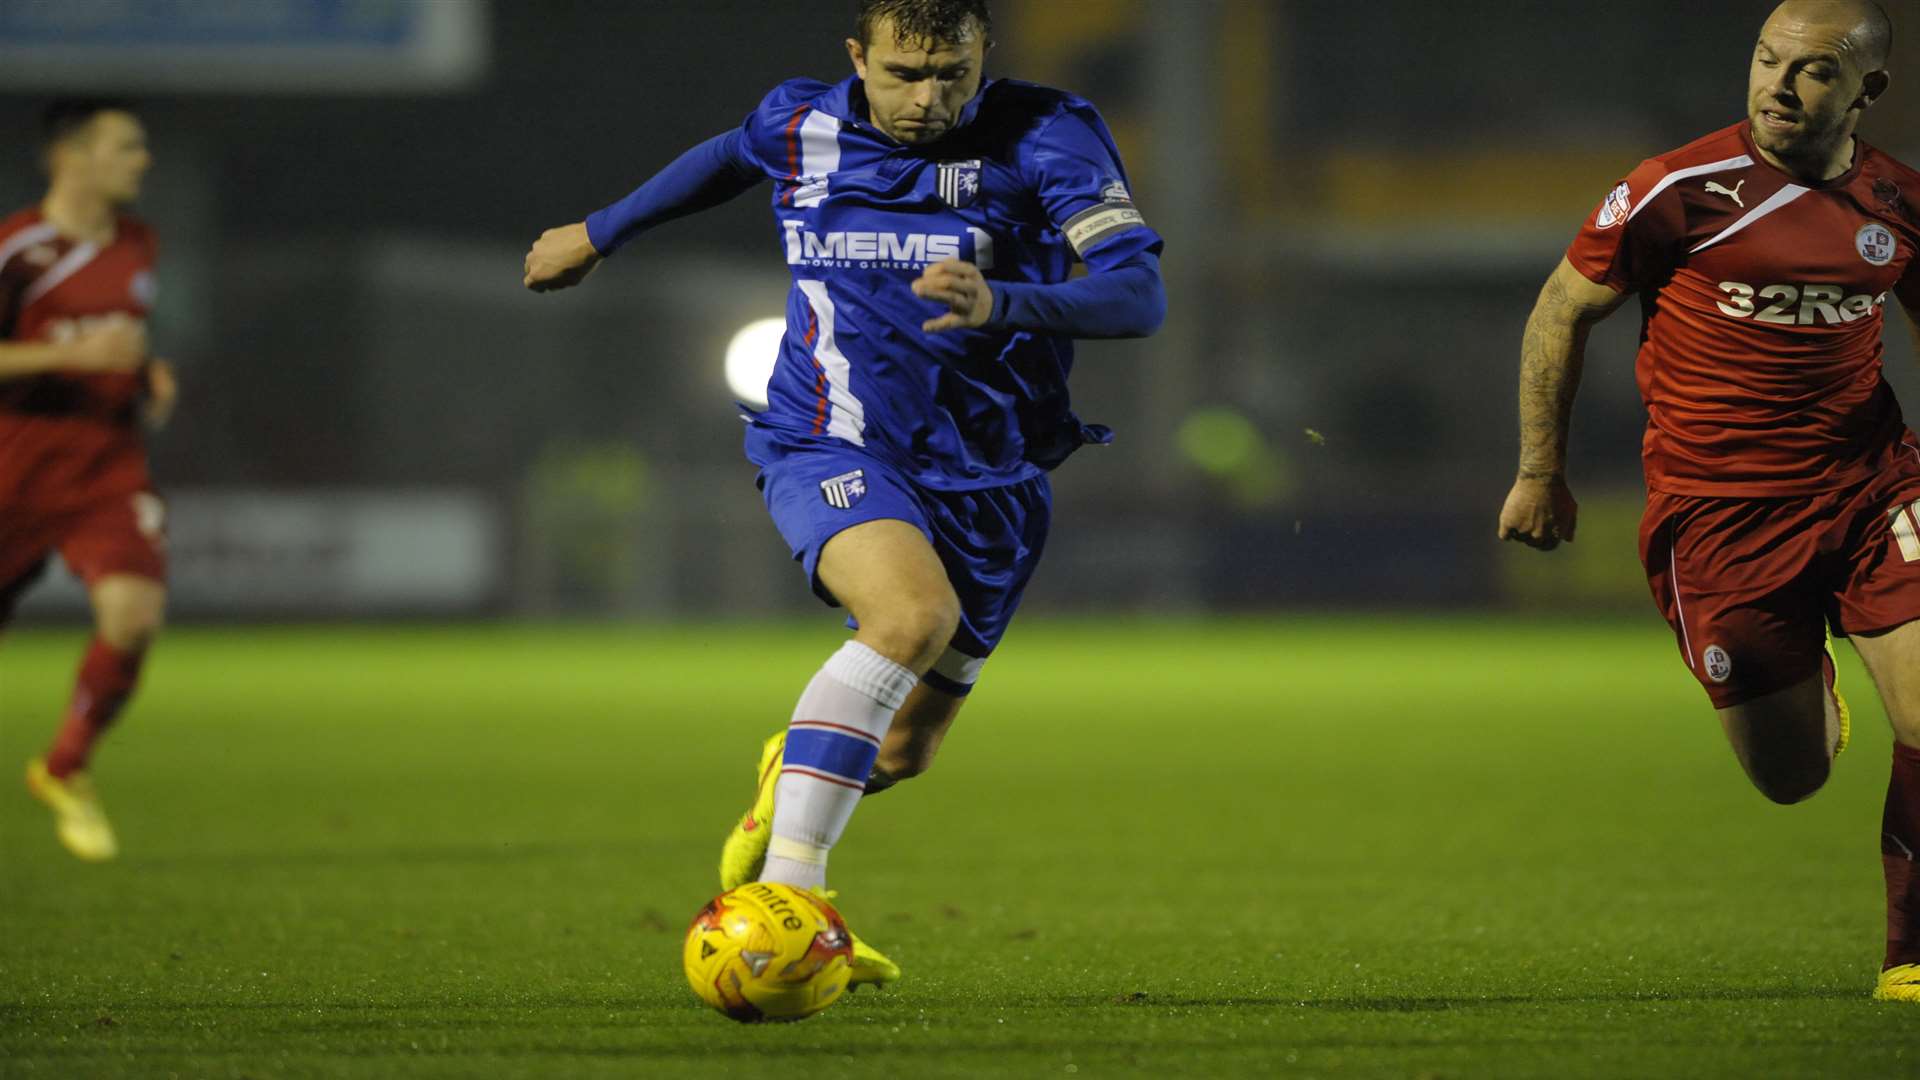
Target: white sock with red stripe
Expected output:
[832,742]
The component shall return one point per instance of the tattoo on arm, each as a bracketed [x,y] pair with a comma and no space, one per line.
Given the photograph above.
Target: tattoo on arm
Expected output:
[1552,353]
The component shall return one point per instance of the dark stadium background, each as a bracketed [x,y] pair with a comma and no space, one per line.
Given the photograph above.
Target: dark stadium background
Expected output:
[427,775]
[1360,201]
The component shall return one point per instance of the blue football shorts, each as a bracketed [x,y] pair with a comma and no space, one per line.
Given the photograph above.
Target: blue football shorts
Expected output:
[989,540]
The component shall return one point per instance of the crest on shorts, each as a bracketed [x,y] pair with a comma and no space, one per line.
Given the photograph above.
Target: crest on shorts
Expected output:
[1615,209]
[1875,243]
[1719,664]
[845,490]
[959,183]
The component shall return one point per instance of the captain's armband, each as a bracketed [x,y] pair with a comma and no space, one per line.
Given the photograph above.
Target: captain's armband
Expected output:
[1088,228]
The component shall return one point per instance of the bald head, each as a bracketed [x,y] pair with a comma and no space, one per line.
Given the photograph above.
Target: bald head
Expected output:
[1861,25]
[1818,66]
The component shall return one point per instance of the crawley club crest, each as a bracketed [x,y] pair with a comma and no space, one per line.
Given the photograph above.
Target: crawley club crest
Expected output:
[845,490]
[1719,664]
[1875,243]
[959,183]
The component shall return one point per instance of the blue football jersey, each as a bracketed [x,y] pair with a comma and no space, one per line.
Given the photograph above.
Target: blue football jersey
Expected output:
[1027,183]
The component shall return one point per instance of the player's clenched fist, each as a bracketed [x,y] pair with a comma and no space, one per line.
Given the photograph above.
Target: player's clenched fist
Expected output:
[115,344]
[1539,513]
[560,259]
[963,288]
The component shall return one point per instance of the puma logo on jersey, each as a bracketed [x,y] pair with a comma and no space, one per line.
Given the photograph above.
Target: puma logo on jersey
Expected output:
[1797,305]
[1714,187]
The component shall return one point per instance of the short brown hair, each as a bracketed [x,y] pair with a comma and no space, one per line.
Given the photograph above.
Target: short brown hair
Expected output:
[921,20]
[63,117]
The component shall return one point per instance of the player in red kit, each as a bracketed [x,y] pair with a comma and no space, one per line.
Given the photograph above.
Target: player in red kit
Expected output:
[1782,482]
[77,388]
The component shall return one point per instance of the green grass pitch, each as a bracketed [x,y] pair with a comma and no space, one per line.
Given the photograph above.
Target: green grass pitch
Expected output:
[1308,847]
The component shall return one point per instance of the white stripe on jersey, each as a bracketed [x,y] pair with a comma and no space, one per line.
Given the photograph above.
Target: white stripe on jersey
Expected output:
[819,156]
[69,265]
[1774,202]
[847,417]
[1678,175]
[24,239]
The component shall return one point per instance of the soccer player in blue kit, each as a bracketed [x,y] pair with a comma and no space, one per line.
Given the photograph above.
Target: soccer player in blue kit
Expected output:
[931,219]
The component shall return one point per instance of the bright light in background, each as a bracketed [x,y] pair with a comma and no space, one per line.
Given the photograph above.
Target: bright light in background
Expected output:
[750,359]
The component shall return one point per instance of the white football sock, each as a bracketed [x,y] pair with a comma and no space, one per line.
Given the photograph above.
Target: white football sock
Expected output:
[831,745]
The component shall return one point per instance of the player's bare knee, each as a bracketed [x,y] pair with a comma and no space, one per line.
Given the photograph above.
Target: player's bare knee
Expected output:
[130,626]
[915,632]
[1907,733]
[1789,792]
[1789,783]
[1903,714]
[131,635]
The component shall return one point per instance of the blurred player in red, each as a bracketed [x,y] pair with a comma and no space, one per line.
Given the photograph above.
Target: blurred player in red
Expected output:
[77,388]
[1782,483]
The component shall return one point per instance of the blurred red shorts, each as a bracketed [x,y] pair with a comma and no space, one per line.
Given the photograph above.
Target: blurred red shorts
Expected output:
[122,535]
[1750,586]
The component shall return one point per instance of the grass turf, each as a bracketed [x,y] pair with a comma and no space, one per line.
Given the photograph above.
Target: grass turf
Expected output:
[1396,848]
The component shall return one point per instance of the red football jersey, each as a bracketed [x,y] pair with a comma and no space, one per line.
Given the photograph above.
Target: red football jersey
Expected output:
[1763,300]
[70,439]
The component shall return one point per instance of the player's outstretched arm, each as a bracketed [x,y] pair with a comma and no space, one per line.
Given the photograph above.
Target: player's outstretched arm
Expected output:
[1122,300]
[706,176]
[1540,510]
[119,344]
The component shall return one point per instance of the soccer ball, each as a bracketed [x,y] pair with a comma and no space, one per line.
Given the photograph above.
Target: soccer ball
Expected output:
[768,952]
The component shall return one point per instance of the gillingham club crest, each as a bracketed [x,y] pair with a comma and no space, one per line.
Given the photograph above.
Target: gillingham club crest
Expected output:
[1875,243]
[959,183]
[845,490]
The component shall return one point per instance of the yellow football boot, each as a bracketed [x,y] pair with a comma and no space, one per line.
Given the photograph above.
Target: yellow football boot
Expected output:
[1901,983]
[78,819]
[870,966]
[1839,703]
[744,854]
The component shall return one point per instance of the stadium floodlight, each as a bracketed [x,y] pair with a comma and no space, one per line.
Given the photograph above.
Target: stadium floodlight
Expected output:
[751,354]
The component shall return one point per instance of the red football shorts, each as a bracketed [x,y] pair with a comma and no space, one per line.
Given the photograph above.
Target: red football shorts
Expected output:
[122,535]
[1750,586]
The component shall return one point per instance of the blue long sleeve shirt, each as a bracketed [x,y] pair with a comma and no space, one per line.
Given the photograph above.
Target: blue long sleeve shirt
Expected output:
[1027,184]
